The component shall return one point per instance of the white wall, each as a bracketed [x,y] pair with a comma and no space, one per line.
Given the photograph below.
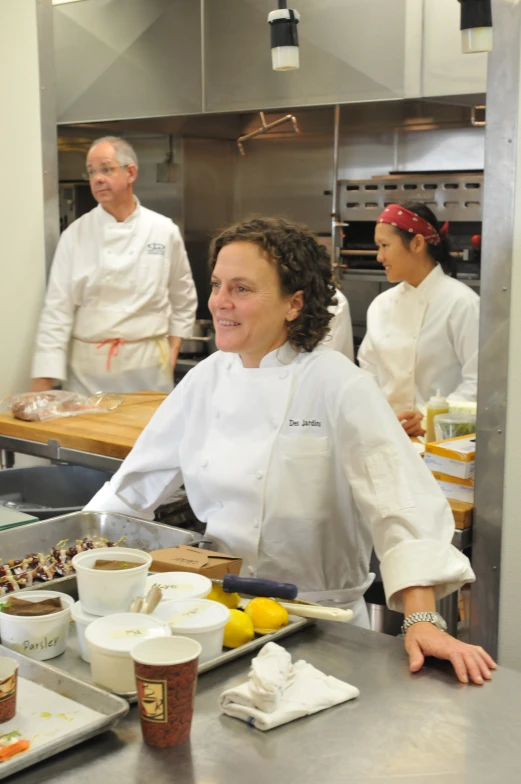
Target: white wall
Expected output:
[22,256]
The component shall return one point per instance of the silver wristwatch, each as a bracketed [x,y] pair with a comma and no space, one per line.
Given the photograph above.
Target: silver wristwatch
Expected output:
[424,617]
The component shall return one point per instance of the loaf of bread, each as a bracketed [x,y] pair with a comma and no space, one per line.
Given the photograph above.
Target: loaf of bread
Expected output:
[38,406]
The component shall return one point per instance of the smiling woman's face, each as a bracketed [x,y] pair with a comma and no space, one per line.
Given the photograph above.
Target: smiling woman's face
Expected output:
[249,311]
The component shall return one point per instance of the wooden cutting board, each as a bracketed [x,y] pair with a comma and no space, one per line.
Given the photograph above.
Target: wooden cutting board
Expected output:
[112,434]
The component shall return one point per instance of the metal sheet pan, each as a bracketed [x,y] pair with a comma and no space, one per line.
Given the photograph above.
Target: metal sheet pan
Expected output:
[111,708]
[71,661]
[42,536]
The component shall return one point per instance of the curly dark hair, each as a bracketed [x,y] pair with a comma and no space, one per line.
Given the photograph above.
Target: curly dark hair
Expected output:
[302,264]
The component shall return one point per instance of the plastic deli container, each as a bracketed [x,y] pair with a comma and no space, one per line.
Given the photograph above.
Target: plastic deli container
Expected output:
[181,585]
[108,592]
[198,619]
[110,641]
[454,425]
[82,619]
[39,637]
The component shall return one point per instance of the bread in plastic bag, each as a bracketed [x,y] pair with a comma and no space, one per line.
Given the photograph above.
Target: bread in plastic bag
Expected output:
[56,403]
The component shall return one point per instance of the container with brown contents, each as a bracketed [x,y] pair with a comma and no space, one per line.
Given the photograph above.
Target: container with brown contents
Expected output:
[113,566]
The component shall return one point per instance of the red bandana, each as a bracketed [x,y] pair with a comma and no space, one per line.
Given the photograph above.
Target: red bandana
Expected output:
[401,218]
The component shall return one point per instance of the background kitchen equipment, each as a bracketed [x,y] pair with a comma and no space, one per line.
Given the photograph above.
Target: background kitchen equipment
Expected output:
[202,341]
[453,196]
[50,491]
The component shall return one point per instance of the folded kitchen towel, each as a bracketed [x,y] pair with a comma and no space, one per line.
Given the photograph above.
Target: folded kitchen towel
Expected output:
[278,691]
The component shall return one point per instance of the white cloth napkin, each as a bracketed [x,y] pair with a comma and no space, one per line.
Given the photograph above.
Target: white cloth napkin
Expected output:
[278,691]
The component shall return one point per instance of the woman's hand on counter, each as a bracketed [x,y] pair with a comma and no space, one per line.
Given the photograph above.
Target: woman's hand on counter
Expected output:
[411,422]
[470,662]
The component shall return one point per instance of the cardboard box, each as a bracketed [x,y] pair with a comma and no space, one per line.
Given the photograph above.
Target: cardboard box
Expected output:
[453,457]
[455,489]
[462,513]
[191,559]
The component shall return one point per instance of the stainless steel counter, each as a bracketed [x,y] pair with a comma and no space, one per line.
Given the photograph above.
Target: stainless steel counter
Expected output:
[422,729]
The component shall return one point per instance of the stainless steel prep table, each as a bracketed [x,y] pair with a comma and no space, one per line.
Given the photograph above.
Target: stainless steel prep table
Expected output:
[419,729]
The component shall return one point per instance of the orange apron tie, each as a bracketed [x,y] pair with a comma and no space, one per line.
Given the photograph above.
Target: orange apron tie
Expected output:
[114,344]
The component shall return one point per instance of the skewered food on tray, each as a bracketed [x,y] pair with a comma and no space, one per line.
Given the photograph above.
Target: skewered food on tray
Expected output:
[42,567]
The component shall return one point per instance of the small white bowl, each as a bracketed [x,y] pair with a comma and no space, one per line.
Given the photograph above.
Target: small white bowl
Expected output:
[39,637]
[108,592]
[180,585]
[200,620]
[110,641]
[82,619]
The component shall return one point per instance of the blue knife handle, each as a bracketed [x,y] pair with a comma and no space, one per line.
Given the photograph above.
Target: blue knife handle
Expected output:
[256,586]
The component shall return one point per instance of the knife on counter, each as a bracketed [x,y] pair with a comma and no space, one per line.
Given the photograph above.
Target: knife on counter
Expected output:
[257,586]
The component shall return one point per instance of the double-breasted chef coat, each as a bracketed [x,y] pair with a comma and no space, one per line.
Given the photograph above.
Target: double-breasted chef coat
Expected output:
[115,281]
[423,339]
[295,466]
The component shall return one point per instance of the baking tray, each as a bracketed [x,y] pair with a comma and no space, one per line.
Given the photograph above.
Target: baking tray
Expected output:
[42,536]
[71,662]
[109,707]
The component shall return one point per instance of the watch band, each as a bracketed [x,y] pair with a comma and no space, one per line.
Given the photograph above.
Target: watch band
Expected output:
[424,617]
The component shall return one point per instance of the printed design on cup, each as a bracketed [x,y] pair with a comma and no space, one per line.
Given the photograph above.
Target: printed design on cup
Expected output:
[180,683]
[9,671]
[7,687]
[153,704]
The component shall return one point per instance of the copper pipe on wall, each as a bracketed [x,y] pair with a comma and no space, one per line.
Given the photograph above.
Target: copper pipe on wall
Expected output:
[265,127]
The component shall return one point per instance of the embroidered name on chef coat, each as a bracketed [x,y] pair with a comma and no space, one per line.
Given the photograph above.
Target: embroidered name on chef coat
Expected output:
[305,423]
[156,248]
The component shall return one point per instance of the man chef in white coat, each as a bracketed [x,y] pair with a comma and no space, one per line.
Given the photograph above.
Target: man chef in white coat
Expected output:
[121,296]
[291,455]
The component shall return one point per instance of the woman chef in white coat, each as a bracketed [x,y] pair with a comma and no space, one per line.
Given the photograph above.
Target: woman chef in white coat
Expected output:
[291,455]
[422,335]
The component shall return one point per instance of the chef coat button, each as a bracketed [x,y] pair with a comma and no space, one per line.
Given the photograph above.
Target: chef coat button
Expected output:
[255,523]
[204,463]
[284,374]
[217,414]
[259,475]
[229,366]
[219,504]
[251,570]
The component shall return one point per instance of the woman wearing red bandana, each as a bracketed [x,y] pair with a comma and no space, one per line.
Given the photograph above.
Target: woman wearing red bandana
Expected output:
[422,335]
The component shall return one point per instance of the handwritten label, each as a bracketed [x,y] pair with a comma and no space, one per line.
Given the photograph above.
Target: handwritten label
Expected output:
[174,586]
[120,634]
[41,644]
[185,615]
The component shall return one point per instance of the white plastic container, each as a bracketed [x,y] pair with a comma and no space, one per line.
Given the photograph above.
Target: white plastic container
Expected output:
[39,637]
[108,592]
[82,619]
[110,641]
[180,585]
[200,620]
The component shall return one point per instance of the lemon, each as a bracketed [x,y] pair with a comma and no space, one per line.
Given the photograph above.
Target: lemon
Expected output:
[266,614]
[230,600]
[238,630]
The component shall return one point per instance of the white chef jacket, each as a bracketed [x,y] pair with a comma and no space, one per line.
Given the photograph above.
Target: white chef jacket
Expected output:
[340,336]
[293,465]
[129,280]
[423,339]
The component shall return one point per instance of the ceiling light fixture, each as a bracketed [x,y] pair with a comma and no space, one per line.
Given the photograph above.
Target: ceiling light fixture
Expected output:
[476,26]
[284,38]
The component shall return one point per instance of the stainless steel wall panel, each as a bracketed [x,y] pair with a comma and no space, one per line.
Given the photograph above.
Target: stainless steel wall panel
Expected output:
[496,553]
[117,59]
[350,50]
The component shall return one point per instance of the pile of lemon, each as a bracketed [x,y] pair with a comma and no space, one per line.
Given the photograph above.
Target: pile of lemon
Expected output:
[260,616]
